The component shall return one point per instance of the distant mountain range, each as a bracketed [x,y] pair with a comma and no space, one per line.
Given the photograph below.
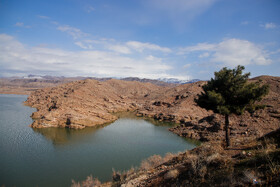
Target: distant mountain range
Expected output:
[160,81]
[178,81]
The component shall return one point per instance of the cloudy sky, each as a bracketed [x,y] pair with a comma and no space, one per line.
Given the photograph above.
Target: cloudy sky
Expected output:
[182,39]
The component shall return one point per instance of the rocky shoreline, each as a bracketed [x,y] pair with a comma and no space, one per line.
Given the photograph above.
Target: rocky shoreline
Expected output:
[87,103]
[196,123]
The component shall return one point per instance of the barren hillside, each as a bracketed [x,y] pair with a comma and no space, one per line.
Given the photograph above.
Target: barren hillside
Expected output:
[91,102]
[87,102]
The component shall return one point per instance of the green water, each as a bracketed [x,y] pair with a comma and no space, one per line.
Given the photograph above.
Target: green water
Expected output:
[53,156]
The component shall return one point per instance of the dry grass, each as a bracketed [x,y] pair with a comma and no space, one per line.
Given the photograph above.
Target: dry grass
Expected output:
[155,161]
[208,165]
[172,174]
[89,182]
[261,163]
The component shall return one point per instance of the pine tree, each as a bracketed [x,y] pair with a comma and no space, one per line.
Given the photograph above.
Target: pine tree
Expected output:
[230,93]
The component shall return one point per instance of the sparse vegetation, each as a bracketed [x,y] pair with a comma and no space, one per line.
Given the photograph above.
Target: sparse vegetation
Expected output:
[89,182]
[155,160]
[209,165]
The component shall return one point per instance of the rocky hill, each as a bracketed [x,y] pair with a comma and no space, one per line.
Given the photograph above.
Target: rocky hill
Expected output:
[87,102]
[90,102]
[177,105]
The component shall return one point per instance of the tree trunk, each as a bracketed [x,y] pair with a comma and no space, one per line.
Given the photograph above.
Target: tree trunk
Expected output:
[227,130]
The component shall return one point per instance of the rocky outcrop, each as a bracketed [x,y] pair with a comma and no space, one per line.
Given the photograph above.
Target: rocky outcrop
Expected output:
[86,102]
[91,102]
[177,105]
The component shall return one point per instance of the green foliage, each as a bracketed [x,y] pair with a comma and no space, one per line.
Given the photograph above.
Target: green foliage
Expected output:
[229,92]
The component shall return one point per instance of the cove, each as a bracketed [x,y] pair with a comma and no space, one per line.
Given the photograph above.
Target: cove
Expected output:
[54,156]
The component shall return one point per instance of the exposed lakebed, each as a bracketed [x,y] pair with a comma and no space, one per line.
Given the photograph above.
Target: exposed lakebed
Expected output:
[54,156]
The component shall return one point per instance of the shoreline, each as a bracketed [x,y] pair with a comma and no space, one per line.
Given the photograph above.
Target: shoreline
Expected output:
[92,103]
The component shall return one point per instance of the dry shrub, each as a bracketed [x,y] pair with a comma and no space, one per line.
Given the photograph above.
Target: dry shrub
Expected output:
[89,182]
[118,176]
[172,174]
[198,165]
[194,160]
[267,151]
[169,156]
[155,161]
[131,171]
[216,160]
[151,162]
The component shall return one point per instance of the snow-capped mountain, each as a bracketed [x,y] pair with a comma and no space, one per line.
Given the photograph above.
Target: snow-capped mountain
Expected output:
[178,81]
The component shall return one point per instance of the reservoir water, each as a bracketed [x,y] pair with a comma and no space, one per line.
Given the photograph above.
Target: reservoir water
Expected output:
[53,156]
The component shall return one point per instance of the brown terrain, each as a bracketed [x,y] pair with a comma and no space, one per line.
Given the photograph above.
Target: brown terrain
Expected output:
[24,86]
[177,104]
[90,102]
[86,103]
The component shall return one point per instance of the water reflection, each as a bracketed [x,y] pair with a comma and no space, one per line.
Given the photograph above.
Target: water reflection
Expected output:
[59,136]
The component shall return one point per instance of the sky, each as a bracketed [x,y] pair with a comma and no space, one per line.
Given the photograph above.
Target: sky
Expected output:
[183,39]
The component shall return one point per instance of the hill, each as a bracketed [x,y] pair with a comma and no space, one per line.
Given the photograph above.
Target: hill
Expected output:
[177,105]
[252,159]
[26,85]
[89,102]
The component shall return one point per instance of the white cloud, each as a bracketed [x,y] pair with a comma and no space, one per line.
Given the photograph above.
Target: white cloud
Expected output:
[179,12]
[18,58]
[175,6]
[20,24]
[90,9]
[269,26]
[140,47]
[120,49]
[204,55]
[198,47]
[230,52]
[244,23]
[187,66]
[277,51]
[84,41]
[43,17]
[72,31]
[234,52]
[153,59]
[83,46]
[54,22]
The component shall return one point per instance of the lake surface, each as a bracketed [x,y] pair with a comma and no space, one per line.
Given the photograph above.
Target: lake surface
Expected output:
[53,156]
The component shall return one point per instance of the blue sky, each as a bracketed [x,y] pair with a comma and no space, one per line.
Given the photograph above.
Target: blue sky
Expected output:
[182,39]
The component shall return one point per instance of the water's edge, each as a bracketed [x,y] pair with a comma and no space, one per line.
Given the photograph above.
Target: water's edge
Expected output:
[55,156]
